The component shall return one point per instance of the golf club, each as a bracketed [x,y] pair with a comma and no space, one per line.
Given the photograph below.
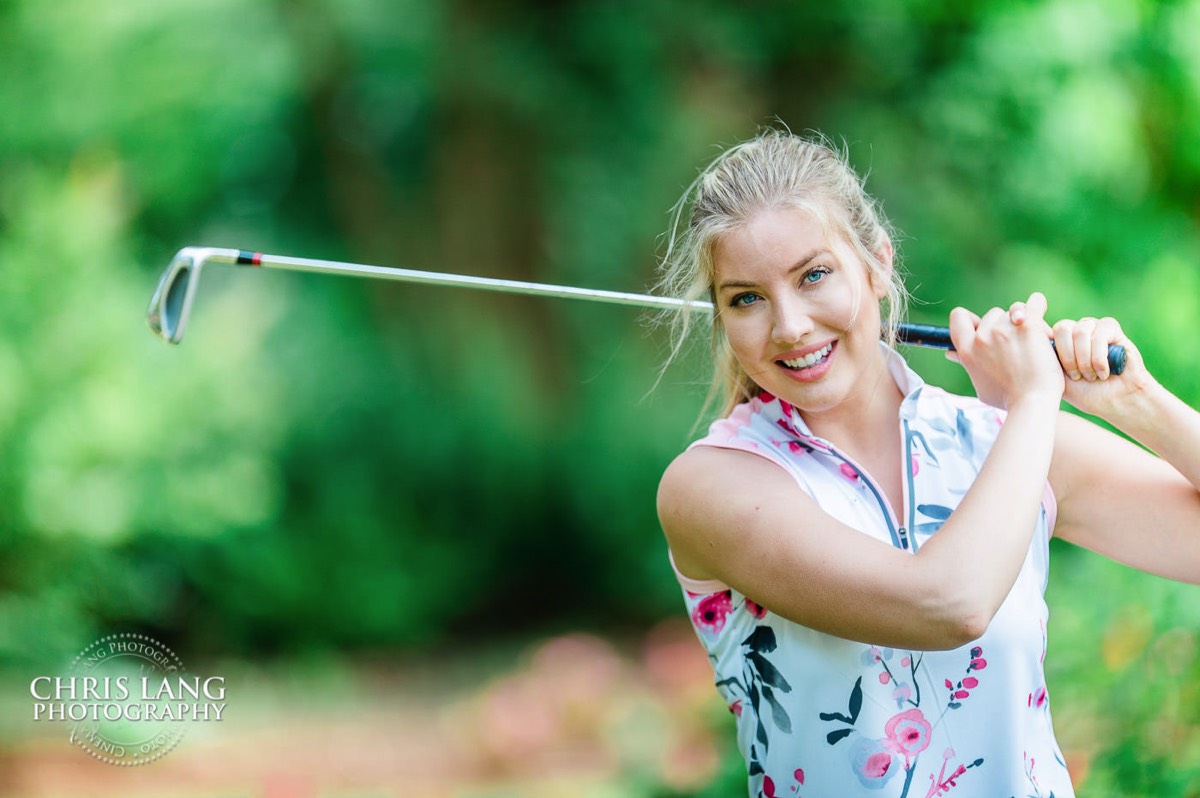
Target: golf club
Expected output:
[171,304]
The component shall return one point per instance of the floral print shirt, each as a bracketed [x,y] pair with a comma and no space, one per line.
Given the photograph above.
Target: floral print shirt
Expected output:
[818,715]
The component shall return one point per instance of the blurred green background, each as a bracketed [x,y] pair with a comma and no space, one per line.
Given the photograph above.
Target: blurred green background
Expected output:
[382,508]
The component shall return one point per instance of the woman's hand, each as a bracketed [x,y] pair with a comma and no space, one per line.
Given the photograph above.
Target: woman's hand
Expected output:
[1007,353]
[1082,347]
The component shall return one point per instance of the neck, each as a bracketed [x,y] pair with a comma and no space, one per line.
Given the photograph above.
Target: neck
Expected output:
[867,418]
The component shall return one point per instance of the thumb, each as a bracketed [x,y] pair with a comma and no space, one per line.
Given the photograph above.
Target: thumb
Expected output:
[963,324]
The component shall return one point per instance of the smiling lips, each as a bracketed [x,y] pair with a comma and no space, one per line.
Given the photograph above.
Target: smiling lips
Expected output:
[814,358]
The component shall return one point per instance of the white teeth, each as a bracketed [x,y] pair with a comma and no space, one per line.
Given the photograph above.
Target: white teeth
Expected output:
[809,360]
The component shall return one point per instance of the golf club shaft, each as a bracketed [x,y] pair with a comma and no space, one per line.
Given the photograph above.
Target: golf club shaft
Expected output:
[461,281]
[915,334]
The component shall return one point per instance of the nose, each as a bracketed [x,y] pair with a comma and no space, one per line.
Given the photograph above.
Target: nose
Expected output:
[791,321]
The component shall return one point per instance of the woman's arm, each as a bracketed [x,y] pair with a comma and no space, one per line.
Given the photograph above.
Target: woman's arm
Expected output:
[738,518]
[1114,497]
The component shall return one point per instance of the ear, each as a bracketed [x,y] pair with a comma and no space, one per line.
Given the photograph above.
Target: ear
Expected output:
[881,275]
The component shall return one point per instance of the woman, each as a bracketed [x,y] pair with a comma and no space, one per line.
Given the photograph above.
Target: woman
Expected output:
[864,556]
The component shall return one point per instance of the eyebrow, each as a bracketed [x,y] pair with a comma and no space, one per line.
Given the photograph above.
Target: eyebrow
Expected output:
[798,265]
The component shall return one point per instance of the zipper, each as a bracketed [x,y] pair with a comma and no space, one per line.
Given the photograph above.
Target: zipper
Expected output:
[897,530]
[907,487]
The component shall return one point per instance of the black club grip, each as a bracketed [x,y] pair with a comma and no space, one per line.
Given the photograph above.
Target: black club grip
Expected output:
[935,337]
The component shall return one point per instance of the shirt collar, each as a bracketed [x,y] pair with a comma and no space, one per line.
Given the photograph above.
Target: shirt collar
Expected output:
[789,419]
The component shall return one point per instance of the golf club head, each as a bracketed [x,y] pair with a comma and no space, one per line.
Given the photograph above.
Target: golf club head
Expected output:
[172,301]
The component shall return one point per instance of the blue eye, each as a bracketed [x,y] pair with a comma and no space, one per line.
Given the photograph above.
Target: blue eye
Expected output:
[744,300]
[816,275]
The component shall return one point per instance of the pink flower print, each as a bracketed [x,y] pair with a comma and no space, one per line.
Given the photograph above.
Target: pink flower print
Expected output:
[1037,697]
[736,708]
[960,690]
[769,787]
[766,397]
[916,466]
[795,447]
[787,427]
[907,733]
[848,471]
[872,762]
[786,407]
[756,609]
[874,654]
[799,776]
[1029,765]
[885,677]
[711,612]
[942,784]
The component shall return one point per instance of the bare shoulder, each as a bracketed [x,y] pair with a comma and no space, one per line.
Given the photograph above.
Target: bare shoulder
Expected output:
[714,463]
[707,475]
[708,497]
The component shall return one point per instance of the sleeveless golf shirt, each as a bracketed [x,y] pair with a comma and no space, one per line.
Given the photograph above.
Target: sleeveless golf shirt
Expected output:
[818,715]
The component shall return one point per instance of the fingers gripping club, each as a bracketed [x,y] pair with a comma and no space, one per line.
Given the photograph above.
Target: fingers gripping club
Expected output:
[939,338]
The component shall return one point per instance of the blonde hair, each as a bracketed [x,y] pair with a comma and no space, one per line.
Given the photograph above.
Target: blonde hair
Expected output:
[775,169]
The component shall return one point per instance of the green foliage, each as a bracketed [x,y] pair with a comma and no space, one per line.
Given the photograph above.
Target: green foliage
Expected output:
[328,464]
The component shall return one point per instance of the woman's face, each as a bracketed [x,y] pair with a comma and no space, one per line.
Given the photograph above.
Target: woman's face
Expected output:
[800,310]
